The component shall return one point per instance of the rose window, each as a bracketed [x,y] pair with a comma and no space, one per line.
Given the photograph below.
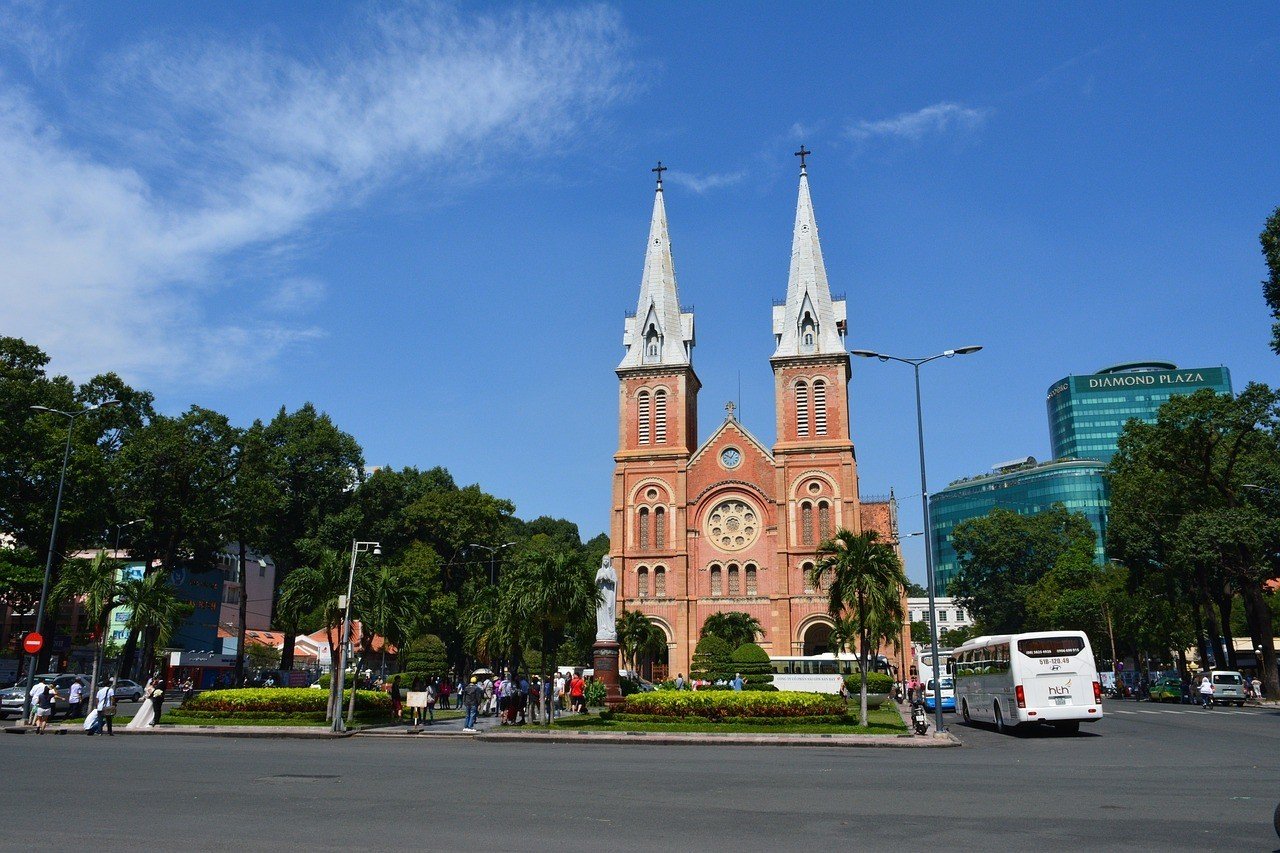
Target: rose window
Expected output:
[732,525]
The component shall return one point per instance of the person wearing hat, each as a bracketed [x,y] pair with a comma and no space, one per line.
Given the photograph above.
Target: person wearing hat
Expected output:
[471,696]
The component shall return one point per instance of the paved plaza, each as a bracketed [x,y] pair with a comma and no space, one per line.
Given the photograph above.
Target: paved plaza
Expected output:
[1145,777]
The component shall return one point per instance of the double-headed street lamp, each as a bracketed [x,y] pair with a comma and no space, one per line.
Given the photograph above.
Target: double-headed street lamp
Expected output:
[493,558]
[339,676]
[924,499]
[53,535]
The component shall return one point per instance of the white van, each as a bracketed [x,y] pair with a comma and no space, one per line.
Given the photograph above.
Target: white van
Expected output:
[1228,687]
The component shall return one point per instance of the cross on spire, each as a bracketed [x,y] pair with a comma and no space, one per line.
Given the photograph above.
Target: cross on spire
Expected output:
[659,169]
[729,407]
[802,153]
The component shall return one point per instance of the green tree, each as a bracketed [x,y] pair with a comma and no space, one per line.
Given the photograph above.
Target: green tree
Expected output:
[915,590]
[316,468]
[732,626]
[753,664]
[154,608]
[262,656]
[1215,530]
[1003,554]
[712,660]
[426,654]
[96,579]
[864,581]
[639,638]
[1270,239]
[390,602]
[254,500]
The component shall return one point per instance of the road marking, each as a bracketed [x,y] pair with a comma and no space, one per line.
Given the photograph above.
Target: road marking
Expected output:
[1118,711]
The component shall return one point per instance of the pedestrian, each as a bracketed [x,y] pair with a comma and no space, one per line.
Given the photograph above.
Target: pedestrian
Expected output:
[1256,684]
[578,693]
[105,702]
[522,701]
[431,702]
[75,700]
[416,699]
[397,700]
[1206,693]
[737,681]
[489,690]
[534,700]
[558,692]
[43,703]
[472,695]
[680,681]
[157,701]
[445,688]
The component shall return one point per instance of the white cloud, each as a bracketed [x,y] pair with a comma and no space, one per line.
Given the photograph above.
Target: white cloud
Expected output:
[914,126]
[702,183]
[118,236]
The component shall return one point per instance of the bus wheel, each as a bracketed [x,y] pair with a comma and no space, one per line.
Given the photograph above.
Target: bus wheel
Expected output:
[1000,726]
[964,711]
[1070,728]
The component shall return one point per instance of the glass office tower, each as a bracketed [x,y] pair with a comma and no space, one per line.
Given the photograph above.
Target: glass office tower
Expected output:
[1023,487]
[1087,413]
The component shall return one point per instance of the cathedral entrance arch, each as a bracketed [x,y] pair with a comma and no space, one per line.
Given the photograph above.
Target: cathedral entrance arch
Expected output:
[815,636]
[654,664]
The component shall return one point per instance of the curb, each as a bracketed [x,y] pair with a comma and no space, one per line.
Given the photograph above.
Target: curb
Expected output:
[199,731]
[944,740]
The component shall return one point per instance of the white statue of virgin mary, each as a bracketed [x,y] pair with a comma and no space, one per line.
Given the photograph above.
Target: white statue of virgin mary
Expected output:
[607,608]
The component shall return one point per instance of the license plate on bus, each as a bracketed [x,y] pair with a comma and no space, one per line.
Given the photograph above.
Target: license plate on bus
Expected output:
[1062,700]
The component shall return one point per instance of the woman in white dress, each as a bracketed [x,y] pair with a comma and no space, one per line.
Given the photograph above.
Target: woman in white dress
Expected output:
[146,710]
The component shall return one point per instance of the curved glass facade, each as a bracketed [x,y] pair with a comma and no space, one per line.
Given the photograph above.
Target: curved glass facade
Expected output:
[1087,413]
[1077,484]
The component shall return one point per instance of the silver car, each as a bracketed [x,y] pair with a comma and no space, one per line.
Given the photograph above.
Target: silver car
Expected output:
[1228,687]
[11,700]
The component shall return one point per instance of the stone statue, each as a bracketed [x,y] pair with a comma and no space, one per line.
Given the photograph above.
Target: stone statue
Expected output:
[606,610]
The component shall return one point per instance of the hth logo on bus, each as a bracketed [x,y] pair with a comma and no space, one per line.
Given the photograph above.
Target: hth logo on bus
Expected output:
[1060,690]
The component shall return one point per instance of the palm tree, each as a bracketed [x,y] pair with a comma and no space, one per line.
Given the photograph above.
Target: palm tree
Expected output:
[864,594]
[547,593]
[95,579]
[391,605]
[639,638]
[734,627]
[155,609]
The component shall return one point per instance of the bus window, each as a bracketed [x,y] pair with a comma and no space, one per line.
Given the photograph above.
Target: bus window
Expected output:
[1045,647]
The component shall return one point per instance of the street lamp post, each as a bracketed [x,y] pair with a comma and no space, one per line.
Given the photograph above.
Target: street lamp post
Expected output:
[338,679]
[53,537]
[493,558]
[924,500]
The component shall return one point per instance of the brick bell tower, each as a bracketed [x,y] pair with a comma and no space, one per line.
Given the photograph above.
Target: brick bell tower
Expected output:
[817,476]
[657,433]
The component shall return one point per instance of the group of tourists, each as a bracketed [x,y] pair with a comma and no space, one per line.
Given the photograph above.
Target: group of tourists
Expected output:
[514,700]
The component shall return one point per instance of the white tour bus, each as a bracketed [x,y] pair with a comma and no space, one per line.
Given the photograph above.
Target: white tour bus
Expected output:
[1011,679]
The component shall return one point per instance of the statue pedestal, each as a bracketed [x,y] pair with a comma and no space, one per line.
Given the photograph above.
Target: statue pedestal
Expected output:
[605,659]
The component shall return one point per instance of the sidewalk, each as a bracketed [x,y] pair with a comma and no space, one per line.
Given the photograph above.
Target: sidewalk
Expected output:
[305,732]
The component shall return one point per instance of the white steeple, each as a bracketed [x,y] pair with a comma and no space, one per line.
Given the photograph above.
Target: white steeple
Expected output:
[810,323]
[659,333]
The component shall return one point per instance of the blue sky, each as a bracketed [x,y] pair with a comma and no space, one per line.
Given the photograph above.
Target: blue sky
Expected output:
[429,219]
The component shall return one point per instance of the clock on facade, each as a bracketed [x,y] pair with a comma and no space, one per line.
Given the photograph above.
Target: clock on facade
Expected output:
[730,457]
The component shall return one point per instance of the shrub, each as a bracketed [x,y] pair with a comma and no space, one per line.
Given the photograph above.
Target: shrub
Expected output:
[628,686]
[279,699]
[830,719]
[712,660]
[595,693]
[327,679]
[426,654]
[720,705]
[877,682]
[753,663]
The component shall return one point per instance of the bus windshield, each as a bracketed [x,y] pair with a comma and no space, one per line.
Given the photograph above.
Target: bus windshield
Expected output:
[1043,647]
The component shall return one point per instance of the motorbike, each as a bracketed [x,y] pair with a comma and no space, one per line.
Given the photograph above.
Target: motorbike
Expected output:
[919,719]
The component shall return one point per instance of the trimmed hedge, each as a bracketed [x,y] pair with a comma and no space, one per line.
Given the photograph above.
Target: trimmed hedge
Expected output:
[711,660]
[279,699]
[719,705]
[877,682]
[753,663]
[327,679]
[829,719]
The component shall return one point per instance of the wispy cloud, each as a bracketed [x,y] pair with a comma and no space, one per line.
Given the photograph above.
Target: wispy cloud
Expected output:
[119,241]
[914,126]
[703,183]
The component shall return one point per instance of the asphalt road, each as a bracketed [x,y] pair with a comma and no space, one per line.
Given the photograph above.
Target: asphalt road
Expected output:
[1144,777]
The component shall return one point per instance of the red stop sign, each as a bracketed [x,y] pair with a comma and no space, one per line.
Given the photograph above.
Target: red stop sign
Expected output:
[33,643]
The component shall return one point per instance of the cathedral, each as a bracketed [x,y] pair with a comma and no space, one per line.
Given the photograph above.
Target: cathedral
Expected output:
[729,524]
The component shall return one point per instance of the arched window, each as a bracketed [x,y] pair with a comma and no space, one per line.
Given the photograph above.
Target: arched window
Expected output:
[751,579]
[717,582]
[644,529]
[660,416]
[802,408]
[734,589]
[806,570]
[824,520]
[659,528]
[642,582]
[806,523]
[660,582]
[652,345]
[642,416]
[807,331]
[819,407]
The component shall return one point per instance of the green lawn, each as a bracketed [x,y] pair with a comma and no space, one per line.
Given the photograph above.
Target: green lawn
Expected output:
[884,721]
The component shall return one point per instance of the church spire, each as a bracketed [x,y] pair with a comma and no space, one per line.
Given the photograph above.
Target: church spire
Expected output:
[810,323]
[659,333]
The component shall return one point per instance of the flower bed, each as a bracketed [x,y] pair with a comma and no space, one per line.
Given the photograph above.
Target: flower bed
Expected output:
[279,699]
[720,705]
